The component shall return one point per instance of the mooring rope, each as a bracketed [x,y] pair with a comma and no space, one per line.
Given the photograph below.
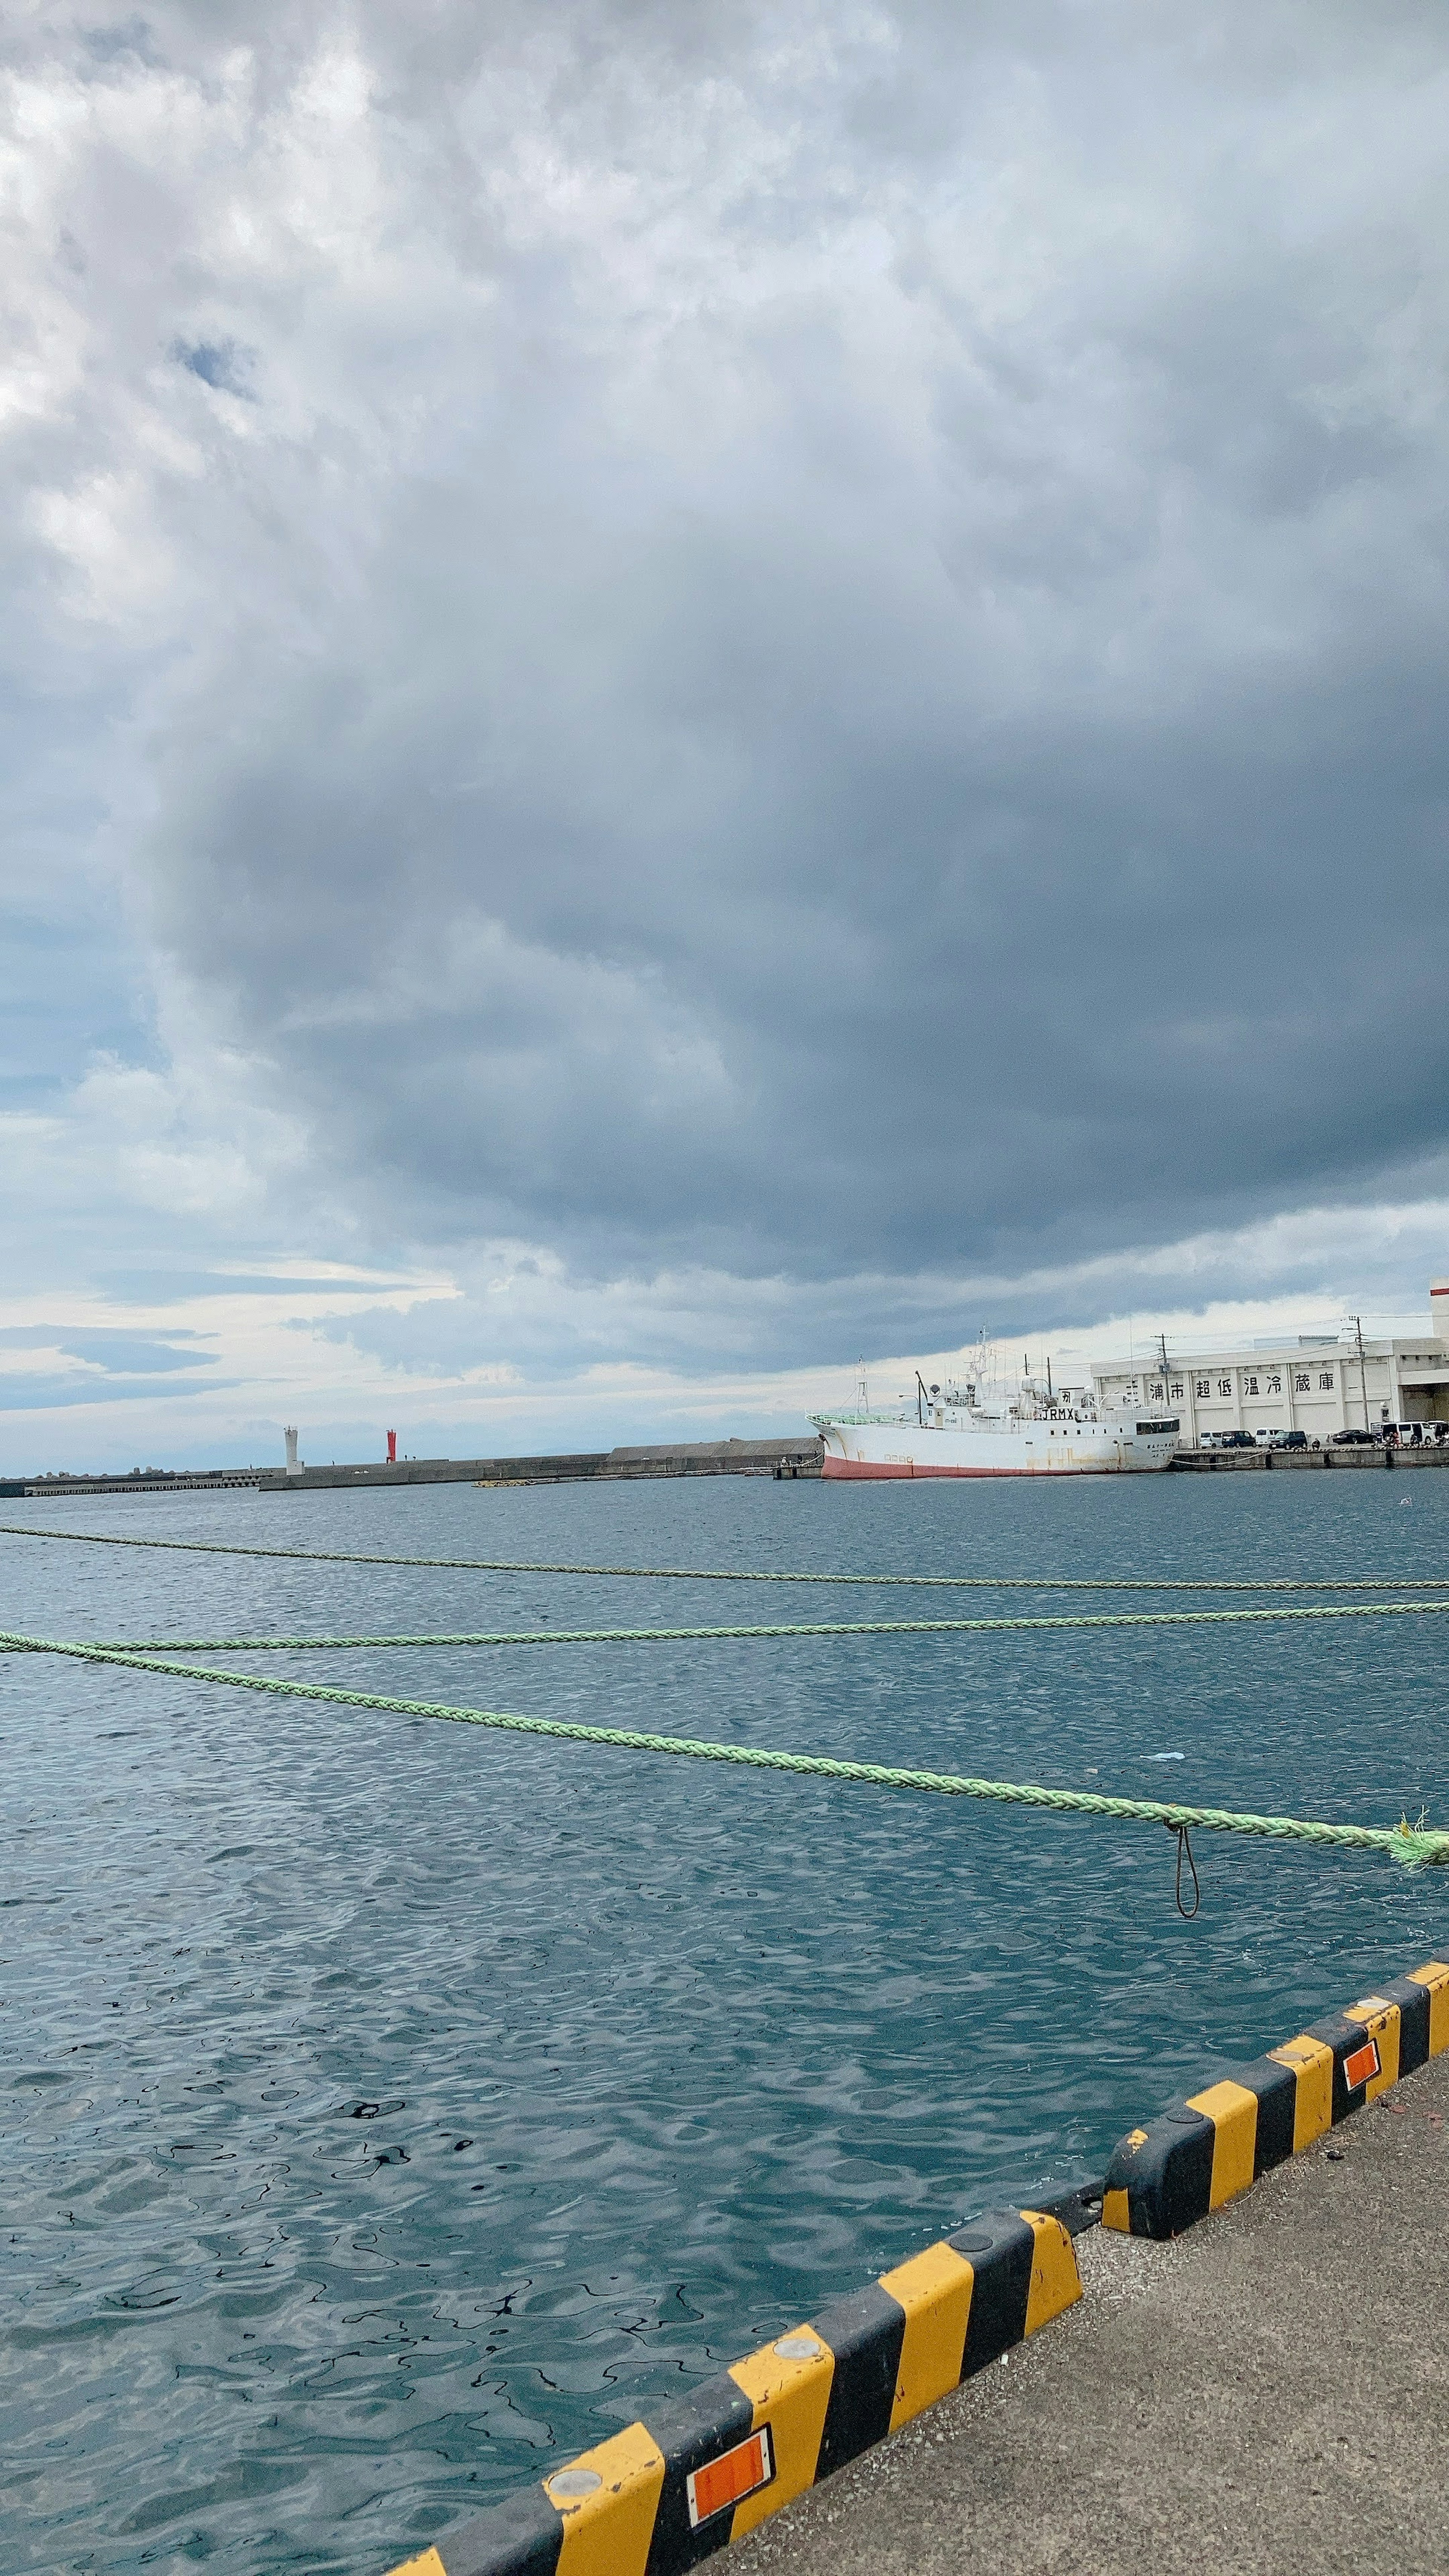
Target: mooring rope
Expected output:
[738,1574]
[803,1628]
[1412,1846]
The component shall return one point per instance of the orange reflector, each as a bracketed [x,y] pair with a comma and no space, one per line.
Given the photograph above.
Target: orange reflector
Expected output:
[750,2465]
[1363,2064]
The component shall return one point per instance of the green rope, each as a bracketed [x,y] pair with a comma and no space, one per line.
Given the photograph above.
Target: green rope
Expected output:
[734,1574]
[1409,1845]
[817,1628]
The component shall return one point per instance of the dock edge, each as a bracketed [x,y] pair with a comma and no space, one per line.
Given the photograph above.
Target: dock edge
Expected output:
[703,2470]
[1204,2151]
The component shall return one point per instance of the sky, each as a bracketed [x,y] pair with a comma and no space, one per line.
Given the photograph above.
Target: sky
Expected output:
[689,691]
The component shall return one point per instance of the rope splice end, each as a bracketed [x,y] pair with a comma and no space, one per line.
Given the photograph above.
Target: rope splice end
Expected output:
[1413,1848]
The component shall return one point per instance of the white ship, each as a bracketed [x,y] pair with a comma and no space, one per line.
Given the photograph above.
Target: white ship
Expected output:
[959,1431]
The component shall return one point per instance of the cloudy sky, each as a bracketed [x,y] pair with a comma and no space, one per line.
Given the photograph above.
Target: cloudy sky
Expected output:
[689,689]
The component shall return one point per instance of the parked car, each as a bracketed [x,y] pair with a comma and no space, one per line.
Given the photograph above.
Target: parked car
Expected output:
[1287,1439]
[1236,1440]
[1353,1440]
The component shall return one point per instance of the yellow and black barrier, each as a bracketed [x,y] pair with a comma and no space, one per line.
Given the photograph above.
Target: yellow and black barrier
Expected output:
[705,2469]
[1206,2150]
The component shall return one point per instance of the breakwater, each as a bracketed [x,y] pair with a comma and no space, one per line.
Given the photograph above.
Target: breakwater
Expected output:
[204,1480]
[576,1467]
[791,1458]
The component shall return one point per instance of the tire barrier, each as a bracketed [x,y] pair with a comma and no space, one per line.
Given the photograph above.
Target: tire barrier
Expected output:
[1206,2150]
[705,2469]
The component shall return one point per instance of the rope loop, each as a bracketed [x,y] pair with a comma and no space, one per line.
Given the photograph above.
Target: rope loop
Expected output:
[1184,1847]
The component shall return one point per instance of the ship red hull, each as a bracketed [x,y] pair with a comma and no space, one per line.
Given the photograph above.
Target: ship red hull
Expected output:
[859,1471]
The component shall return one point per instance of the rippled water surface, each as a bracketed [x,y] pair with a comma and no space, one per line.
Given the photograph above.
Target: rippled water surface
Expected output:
[389,2107]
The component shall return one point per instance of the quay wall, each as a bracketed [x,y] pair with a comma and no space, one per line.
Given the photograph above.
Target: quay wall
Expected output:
[1236,1462]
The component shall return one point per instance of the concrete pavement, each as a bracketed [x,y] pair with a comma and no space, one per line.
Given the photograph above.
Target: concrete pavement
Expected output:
[1268,2394]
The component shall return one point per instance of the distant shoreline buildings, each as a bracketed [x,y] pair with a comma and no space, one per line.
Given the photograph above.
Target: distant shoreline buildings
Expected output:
[1314,1382]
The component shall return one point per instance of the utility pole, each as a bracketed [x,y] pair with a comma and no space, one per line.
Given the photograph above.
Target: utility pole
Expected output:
[1357,1323]
[1162,1346]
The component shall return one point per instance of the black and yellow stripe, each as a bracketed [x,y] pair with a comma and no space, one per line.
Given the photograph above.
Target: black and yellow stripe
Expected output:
[821,2394]
[1206,2150]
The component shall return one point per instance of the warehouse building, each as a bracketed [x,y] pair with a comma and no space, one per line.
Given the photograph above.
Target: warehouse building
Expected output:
[1318,1383]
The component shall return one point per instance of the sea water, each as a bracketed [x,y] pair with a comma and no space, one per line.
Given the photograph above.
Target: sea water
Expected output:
[391,2108]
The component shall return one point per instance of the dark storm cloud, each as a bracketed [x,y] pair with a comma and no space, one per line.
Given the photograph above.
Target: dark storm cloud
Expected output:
[825,645]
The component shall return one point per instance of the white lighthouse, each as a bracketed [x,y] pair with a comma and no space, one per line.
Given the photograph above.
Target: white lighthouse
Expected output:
[294,1464]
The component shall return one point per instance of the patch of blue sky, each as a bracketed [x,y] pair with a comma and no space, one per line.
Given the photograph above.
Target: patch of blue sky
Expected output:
[167,1287]
[222,364]
[73,1390]
[72,982]
[113,44]
[68,993]
[118,1353]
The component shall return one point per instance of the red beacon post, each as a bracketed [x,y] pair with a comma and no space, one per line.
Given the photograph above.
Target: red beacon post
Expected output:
[392,1448]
